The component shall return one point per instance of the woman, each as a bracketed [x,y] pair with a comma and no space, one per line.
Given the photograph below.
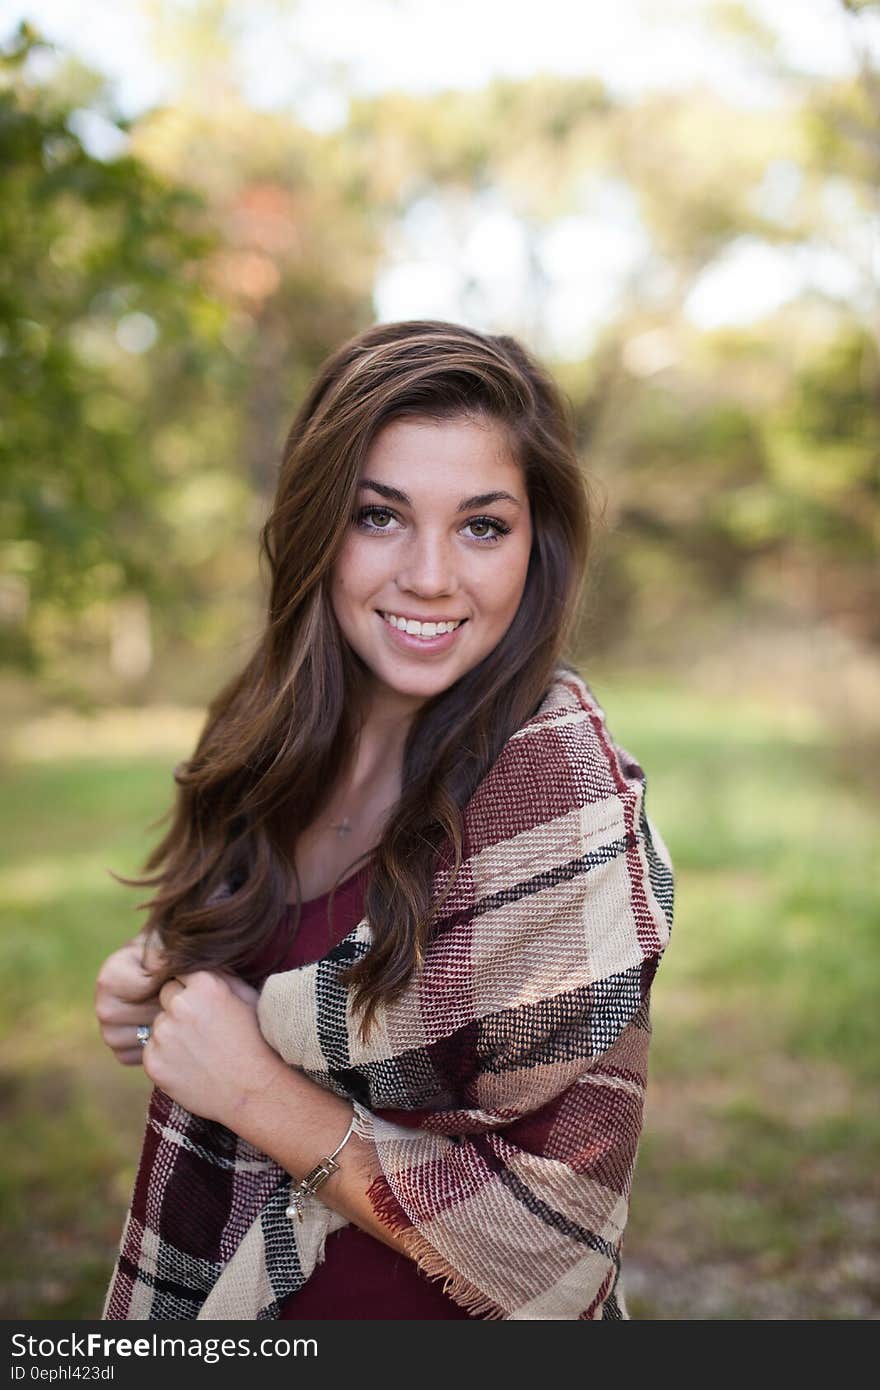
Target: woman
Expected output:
[393,990]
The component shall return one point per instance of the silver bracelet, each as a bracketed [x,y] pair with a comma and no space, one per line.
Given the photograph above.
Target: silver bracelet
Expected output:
[317,1177]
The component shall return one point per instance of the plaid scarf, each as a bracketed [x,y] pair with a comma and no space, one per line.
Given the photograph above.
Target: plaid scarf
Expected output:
[503,1092]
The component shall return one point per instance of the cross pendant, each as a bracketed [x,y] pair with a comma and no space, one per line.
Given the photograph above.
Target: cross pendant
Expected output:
[344,828]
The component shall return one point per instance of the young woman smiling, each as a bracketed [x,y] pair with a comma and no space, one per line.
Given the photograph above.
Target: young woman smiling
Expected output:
[410,904]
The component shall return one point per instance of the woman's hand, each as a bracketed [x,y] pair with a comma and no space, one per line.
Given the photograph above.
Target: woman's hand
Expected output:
[206,1050]
[123,975]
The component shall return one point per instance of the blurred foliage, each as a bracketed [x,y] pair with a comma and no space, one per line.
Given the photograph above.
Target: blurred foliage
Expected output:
[168,287]
[107,334]
[146,330]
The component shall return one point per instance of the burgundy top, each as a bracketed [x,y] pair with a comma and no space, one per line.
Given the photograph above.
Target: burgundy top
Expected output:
[360,1277]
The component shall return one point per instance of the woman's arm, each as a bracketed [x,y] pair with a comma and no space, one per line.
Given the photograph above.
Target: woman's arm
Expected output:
[298,1123]
[207,1052]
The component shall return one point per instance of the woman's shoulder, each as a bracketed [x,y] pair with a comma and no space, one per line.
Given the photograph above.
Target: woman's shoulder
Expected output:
[560,819]
[566,750]
[559,785]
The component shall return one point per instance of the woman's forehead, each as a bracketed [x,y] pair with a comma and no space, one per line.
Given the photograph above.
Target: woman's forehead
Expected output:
[424,448]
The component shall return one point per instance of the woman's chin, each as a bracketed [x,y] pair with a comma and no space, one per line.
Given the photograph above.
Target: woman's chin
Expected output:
[418,685]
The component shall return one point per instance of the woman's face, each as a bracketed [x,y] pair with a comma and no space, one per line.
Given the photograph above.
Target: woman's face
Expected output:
[442,533]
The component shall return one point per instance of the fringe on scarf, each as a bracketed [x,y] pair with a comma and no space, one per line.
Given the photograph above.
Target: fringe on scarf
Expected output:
[393,1217]
[389,1211]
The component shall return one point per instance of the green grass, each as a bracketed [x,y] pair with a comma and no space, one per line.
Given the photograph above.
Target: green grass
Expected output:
[73,1116]
[756,1193]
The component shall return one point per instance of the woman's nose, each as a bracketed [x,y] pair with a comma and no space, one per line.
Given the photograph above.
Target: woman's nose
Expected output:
[428,567]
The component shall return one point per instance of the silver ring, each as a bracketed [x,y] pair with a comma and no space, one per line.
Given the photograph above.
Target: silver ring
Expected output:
[143,1033]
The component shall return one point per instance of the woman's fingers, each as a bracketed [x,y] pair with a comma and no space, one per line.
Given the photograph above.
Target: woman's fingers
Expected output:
[131,1057]
[111,1010]
[124,974]
[151,957]
[121,1037]
[241,988]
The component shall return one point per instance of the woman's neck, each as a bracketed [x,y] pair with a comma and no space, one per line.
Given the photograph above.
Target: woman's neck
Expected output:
[377,755]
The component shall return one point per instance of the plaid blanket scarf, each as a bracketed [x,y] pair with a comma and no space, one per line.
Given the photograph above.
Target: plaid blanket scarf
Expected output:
[503,1092]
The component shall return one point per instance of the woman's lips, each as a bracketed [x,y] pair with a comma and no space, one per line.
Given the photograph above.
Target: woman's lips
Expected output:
[408,641]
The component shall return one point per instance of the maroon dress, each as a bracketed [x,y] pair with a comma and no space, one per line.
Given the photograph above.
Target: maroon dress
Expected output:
[360,1277]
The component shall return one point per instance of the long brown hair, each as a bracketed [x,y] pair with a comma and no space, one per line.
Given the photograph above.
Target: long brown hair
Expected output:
[278,734]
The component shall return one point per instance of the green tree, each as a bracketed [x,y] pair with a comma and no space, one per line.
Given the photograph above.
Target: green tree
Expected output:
[107,329]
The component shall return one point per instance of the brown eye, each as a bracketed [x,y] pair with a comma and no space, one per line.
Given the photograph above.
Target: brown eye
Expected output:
[498,529]
[366,518]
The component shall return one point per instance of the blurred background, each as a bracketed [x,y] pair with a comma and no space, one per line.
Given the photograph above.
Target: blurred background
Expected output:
[676,206]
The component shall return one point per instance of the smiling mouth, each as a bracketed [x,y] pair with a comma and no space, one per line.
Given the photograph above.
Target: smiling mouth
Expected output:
[411,627]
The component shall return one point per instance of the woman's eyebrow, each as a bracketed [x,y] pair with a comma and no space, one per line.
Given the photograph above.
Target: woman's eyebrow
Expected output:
[394,494]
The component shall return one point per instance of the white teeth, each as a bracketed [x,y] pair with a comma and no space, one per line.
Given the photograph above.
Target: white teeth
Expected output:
[417,629]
